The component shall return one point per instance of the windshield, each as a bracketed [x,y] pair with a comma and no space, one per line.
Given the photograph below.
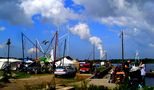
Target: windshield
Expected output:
[60,67]
[85,66]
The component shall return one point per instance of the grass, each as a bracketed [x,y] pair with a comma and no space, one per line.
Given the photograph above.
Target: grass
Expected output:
[22,75]
[17,74]
[67,81]
[84,86]
[42,86]
[1,73]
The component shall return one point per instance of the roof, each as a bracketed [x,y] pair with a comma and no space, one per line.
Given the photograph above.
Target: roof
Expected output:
[68,57]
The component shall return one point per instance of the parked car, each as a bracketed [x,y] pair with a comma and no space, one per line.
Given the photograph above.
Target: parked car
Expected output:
[33,68]
[85,68]
[65,71]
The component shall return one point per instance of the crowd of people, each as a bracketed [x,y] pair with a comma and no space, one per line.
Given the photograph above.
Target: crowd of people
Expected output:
[131,73]
[34,67]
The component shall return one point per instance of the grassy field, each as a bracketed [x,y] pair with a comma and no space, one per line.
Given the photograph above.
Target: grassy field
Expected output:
[17,74]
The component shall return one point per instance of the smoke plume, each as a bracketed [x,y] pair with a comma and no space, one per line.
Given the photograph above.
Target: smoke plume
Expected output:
[83,31]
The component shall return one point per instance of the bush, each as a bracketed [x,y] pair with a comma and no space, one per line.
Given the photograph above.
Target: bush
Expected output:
[100,69]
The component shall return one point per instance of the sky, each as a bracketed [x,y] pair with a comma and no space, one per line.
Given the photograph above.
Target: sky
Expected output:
[84,23]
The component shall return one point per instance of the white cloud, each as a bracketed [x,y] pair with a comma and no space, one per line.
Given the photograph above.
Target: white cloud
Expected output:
[81,30]
[1,46]
[129,14]
[2,28]
[120,21]
[151,45]
[32,50]
[53,10]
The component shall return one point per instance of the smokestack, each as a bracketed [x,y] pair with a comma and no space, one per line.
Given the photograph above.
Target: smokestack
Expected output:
[100,53]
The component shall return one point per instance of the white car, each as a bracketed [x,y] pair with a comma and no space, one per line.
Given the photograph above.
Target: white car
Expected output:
[65,71]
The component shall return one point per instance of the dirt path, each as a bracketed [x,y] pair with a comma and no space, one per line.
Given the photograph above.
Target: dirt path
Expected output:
[98,82]
[103,81]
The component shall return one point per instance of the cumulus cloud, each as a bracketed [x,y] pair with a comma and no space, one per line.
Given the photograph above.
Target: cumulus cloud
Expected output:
[81,30]
[2,28]
[11,12]
[32,50]
[124,13]
[21,11]
[53,10]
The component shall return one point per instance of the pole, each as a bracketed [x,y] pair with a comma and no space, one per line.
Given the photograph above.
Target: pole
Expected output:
[8,43]
[32,42]
[7,71]
[23,53]
[55,50]
[106,55]
[8,62]
[36,50]
[64,51]
[122,40]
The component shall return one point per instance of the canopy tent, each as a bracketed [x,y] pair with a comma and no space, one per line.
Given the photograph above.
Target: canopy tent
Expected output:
[12,61]
[65,61]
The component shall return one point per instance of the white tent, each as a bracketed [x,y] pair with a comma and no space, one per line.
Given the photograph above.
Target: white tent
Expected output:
[13,61]
[67,61]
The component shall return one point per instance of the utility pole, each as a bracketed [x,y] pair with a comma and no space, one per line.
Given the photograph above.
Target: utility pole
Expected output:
[23,53]
[36,50]
[122,40]
[7,72]
[8,43]
[55,50]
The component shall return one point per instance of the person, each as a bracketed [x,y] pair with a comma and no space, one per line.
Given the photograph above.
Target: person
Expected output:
[126,67]
[111,76]
[142,69]
[142,65]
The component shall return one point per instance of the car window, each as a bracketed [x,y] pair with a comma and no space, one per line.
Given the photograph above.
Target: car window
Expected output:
[60,67]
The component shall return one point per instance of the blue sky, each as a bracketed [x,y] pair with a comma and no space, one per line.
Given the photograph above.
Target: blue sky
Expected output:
[89,22]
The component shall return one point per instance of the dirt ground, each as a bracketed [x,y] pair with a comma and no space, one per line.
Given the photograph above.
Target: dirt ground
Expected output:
[22,84]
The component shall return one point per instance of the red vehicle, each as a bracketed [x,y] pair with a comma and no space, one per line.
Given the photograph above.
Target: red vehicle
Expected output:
[85,68]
